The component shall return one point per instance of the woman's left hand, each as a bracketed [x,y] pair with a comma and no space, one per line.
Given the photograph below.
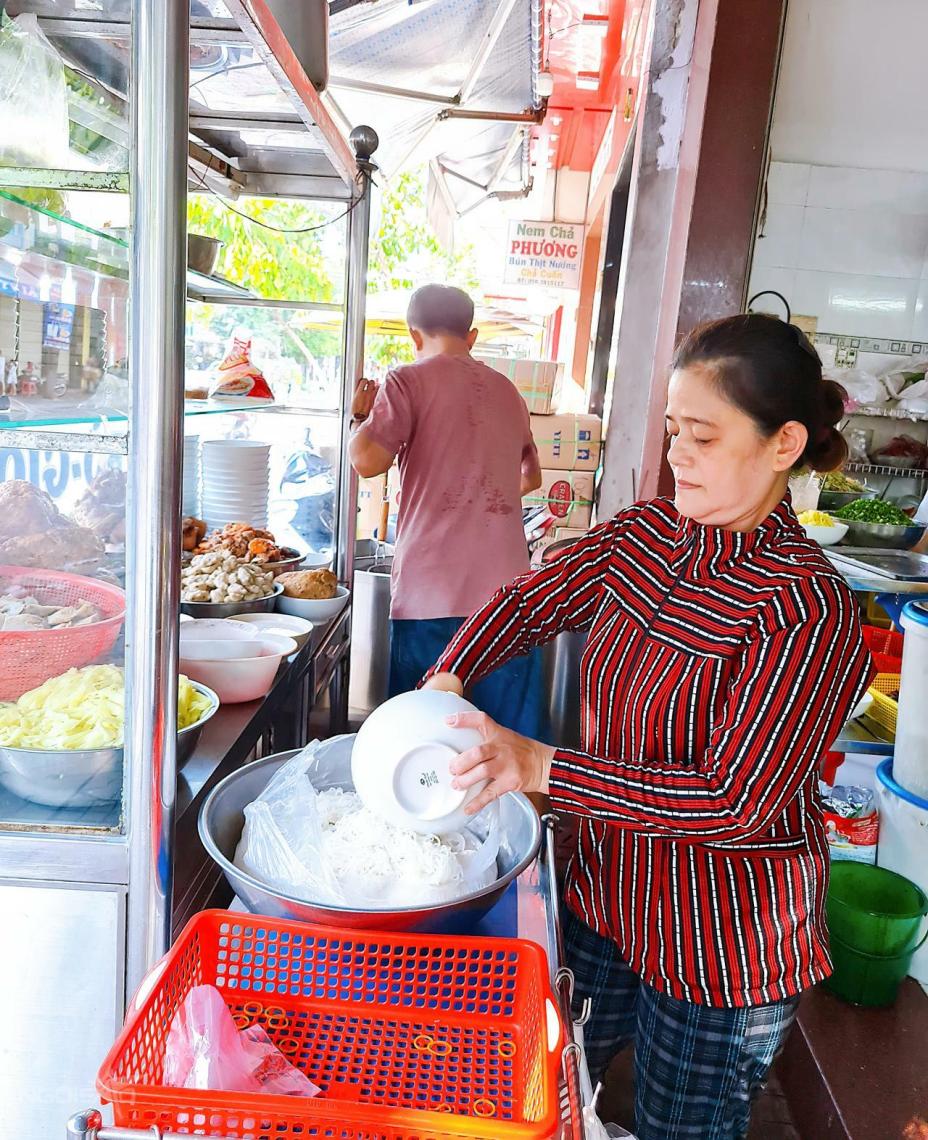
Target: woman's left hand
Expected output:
[512,763]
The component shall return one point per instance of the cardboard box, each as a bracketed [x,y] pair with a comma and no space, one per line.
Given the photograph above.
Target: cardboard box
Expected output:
[370,501]
[539,381]
[565,532]
[568,495]
[568,442]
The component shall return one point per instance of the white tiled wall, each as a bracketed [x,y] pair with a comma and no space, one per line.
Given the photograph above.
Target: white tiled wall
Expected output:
[849,246]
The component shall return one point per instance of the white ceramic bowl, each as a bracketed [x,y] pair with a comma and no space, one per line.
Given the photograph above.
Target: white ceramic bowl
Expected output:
[236,679]
[315,610]
[280,625]
[216,629]
[401,757]
[243,448]
[825,535]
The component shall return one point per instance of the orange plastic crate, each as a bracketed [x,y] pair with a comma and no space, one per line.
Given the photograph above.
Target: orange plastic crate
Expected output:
[409,1036]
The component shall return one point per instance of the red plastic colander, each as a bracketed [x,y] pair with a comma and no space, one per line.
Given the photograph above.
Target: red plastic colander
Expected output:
[32,656]
[409,1036]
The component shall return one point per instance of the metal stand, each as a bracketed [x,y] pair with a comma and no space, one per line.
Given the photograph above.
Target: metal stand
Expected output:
[89,1126]
[572,1057]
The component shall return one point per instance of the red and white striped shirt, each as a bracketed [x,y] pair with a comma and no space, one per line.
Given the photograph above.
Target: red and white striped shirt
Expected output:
[718,669]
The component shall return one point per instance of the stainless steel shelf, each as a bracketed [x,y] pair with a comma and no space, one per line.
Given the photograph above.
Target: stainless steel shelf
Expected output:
[36,440]
[887,412]
[885,469]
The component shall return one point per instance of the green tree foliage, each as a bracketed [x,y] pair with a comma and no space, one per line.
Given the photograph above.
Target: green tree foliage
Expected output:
[404,253]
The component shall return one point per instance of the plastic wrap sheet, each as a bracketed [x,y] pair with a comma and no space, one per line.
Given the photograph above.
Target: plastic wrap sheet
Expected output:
[430,46]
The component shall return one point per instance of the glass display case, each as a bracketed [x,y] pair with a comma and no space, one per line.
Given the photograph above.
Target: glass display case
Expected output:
[109,347]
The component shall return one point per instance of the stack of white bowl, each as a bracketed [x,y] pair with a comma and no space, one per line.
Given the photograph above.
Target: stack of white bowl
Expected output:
[235,476]
[191,492]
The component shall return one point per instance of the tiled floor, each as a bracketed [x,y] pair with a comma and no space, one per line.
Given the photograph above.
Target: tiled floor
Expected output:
[771,1118]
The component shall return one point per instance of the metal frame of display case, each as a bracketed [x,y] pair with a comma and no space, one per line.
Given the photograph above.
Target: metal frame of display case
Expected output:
[136,865]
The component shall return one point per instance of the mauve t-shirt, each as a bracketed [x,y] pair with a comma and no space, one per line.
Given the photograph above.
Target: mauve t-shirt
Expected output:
[460,430]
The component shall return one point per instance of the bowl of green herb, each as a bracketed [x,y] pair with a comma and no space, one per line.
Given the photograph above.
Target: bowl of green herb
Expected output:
[873,522]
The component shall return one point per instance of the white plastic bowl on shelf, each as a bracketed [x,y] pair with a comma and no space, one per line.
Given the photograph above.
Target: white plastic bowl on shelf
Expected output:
[825,535]
[401,758]
[281,625]
[316,610]
[216,629]
[236,679]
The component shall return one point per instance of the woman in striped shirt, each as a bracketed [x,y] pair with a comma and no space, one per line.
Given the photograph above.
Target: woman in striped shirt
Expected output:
[724,654]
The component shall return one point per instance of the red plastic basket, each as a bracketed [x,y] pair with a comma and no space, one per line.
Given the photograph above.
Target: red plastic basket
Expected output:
[409,1036]
[30,657]
[885,647]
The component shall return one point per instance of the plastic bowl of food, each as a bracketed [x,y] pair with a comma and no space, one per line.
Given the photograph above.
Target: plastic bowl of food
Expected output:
[825,535]
[315,610]
[280,625]
[236,679]
[401,758]
[263,605]
[883,535]
[83,777]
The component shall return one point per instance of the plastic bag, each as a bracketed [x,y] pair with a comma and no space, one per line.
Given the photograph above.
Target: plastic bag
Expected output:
[282,841]
[237,377]
[900,378]
[805,490]
[110,395]
[862,387]
[33,97]
[204,1050]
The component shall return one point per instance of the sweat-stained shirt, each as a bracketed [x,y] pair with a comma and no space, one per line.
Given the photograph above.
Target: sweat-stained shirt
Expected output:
[461,431]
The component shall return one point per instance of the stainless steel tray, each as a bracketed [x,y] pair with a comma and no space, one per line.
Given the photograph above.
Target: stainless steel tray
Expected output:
[902,565]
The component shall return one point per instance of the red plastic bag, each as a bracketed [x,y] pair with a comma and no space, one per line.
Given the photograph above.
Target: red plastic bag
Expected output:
[237,377]
[204,1050]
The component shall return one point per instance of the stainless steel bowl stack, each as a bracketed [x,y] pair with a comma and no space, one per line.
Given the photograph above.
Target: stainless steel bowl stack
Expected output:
[222,819]
[835,500]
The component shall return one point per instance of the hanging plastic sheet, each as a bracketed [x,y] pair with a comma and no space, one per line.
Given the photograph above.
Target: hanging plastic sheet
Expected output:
[431,47]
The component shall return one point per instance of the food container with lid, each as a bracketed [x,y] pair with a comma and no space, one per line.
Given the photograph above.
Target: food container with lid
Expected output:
[282,625]
[401,761]
[910,760]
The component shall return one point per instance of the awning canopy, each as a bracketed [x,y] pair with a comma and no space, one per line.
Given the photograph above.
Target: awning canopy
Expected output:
[450,82]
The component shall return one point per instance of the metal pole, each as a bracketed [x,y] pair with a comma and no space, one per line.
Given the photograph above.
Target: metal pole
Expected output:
[364,140]
[160,51]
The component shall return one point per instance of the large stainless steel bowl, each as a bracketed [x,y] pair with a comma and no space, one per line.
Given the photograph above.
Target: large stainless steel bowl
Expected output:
[881,535]
[222,819]
[263,605]
[835,500]
[82,778]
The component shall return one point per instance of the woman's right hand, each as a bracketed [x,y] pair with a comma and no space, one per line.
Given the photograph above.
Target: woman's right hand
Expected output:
[445,683]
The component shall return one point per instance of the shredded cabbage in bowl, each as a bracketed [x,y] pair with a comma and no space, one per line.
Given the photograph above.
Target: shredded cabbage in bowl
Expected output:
[83,709]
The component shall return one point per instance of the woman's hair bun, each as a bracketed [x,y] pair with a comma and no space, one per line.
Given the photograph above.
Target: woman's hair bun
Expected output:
[828,450]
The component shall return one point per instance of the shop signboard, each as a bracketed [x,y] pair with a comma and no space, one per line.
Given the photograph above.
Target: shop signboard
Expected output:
[545,254]
[58,324]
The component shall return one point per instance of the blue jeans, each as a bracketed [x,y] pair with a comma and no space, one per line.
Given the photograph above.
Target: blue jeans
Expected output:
[512,695]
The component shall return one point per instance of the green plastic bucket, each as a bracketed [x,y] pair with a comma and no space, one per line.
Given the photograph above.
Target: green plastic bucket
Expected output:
[874,911]
[866,979]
